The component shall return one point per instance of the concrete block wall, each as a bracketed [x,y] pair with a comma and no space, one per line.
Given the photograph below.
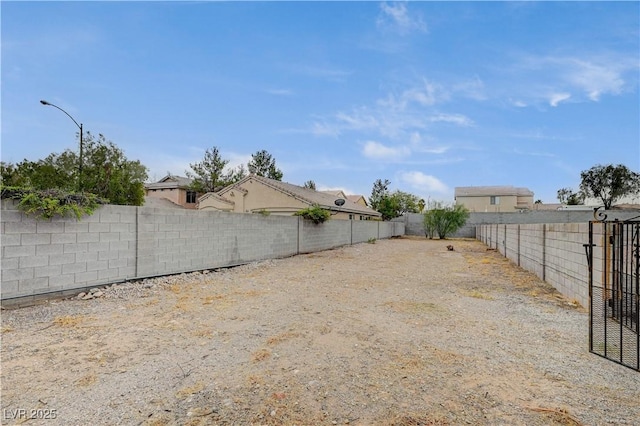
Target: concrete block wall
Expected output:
[324,236]
[58,257]
[362,231]
[40,257]
[554,252]
[179,240]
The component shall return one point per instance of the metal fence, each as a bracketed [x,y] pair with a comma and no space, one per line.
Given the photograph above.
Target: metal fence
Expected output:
[613,255]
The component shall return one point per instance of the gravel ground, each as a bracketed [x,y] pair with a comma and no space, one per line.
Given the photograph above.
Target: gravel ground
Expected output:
[400,332]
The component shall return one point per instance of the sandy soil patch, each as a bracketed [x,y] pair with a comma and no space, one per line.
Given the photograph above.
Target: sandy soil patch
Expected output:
[400,332]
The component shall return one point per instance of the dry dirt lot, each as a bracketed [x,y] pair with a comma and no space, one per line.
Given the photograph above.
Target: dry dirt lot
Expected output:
[399,332]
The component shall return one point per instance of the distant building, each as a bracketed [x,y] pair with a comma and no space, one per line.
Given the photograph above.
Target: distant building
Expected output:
[173,188]
[494,198]
[256,194]
[358,199]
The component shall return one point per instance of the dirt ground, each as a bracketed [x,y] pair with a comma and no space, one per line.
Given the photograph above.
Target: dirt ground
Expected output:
[398,332]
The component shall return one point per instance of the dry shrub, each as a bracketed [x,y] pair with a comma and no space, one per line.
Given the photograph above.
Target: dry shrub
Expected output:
[407,306]
[478,295]
[209,299]
[414,420]
[274,340]
[558,415]
[203,333]
[251,293]
[69,320]
[190,390]
[87,380]
[260,355]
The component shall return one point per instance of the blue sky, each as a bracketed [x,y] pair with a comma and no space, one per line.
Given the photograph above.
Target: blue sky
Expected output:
[430,95]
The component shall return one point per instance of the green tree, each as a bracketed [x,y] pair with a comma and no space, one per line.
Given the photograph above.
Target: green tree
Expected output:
[263,164]
[406,203]
[234,175]
[444,220]
[389,207]
[380,190]
[106,173]
[567,196]
[208,175]
[609,183]
[309,185]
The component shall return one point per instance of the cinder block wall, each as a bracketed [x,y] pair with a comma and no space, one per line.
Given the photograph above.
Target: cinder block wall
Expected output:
[58,257]
[362,231]
[554,252]
[331,234]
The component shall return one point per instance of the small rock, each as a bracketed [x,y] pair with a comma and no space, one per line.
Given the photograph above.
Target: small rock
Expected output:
[93,290]
[88,297]
[273,413]
[81,295]
[98,294]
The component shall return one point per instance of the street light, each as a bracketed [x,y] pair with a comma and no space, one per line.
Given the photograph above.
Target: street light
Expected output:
[79,127]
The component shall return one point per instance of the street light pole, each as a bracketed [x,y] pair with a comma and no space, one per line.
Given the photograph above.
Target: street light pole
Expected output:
[79,127]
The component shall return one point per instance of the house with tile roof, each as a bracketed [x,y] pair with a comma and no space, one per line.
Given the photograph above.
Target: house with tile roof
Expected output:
[257,194]
[358,199]
[494,198]
[173,188]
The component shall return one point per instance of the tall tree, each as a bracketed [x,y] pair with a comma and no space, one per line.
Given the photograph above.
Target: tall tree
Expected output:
[567,196]
[106,172]
[234,175]
[310,185]
[406,202]
[609,183]
[380,190]
[208,175]
[263,164]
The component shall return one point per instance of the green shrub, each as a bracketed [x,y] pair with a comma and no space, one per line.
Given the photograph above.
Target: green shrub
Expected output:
[45,204]
[315,213]
[444,220]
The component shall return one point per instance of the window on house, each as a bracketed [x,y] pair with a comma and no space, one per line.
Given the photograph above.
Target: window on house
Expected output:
[350,217]
[191,197]
[495,200]
[360,217]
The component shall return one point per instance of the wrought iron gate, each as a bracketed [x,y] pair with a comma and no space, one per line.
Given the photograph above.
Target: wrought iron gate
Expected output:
[613,257]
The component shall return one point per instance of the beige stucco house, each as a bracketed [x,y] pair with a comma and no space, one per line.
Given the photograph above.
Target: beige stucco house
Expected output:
[257,194]
[173,188]
[494,198]
[358,199]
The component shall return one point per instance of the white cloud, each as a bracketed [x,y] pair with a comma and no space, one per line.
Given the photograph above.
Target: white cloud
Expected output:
[473,89]
[457,119]
[585,78]
[376,150]
[424,183]
[324,129]
[556,98]
[596,79]
[396,17]
[426,95]
[359,120]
